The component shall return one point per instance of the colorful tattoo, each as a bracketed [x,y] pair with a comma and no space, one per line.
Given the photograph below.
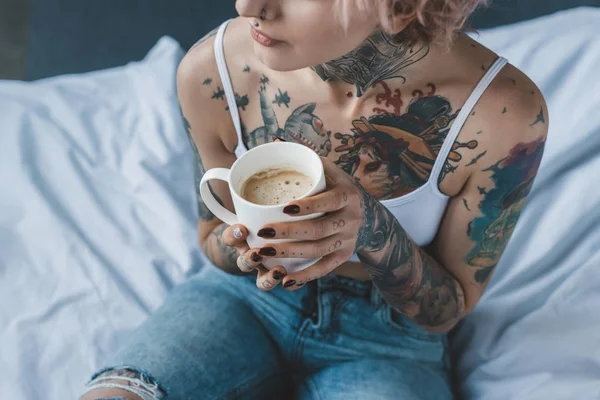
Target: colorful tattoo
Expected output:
[501,207]
[391,154]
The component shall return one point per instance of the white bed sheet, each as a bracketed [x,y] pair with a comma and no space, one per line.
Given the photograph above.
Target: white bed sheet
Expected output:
[97,224]
[96,218]
[536,332]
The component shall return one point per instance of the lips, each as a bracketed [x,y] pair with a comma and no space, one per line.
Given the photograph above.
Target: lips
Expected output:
[263,39]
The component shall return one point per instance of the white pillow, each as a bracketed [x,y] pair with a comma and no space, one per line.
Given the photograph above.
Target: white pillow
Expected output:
[536,332]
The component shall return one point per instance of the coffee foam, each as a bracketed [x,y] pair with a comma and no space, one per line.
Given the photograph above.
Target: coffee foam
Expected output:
[276,186]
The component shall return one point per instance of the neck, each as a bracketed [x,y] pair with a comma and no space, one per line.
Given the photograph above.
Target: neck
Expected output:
[377,58]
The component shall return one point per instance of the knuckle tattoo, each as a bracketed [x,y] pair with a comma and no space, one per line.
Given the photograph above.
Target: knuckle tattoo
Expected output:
[243,263]
[338,224]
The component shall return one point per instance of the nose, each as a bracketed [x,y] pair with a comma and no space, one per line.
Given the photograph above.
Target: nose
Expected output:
[250,8]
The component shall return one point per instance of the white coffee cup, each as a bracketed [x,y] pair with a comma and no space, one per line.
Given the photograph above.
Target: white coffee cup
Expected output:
[284,155]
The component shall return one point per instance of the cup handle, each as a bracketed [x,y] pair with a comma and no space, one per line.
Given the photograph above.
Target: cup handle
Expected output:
[209,200]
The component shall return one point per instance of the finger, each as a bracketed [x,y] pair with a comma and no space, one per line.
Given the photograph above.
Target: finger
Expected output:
[249,260]
[332,172]
[319,269]
[306,249]
[267,280]
[315,229]
[278,139]
[329,201]
[235,235]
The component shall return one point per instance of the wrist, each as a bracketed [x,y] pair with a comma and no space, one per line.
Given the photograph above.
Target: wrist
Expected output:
[222,256]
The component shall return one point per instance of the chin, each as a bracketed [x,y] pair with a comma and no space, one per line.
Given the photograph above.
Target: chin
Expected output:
[277,60]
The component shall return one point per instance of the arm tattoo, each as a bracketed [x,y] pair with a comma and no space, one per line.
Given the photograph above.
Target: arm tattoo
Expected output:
[409,280]
[203,211]
[501,207]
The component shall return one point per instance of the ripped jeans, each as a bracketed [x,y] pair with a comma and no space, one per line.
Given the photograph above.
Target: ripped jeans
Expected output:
[218,337]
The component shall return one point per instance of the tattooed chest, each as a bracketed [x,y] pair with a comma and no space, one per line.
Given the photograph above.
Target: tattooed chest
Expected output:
[390,150]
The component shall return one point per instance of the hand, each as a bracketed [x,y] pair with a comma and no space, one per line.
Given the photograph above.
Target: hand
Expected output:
[249,260]
[334,237]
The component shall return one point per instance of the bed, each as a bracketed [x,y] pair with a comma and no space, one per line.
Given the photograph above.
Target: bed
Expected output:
[97,224]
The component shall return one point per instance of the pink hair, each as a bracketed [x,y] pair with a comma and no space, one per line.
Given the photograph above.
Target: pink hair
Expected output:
[432,20]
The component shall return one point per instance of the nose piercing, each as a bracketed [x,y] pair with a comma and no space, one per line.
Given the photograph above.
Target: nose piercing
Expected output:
[263,14]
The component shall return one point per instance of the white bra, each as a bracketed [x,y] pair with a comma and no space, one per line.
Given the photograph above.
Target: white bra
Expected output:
[420,211]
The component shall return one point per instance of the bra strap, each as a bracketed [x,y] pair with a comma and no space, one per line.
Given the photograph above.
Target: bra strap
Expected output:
[458,124]
[226,80]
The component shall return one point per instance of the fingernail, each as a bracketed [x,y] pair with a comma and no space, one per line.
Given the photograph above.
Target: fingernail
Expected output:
[237,233]
[277,275]
[293,209]
[289,283]
[255,257]
[266,233]
[279,138]
[267,251]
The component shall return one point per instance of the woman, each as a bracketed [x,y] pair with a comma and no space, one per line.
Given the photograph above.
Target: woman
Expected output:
[430,144]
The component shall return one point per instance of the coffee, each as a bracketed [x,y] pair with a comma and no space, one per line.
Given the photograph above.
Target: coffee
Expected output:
[276,186]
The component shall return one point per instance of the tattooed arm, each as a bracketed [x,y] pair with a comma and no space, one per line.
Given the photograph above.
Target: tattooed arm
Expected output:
[438,286]
[409,279]
[208,126]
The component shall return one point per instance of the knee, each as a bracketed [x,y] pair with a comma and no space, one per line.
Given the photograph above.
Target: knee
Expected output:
[110,394]
[123,383]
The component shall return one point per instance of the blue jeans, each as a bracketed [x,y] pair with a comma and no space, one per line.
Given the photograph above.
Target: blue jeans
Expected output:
[219,337]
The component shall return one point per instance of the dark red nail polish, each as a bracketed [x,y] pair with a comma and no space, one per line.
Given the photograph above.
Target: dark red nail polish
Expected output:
[255,257]
[289,283]
[279,138]
[266,233]
[267,251]
[293,209]
[277,275]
